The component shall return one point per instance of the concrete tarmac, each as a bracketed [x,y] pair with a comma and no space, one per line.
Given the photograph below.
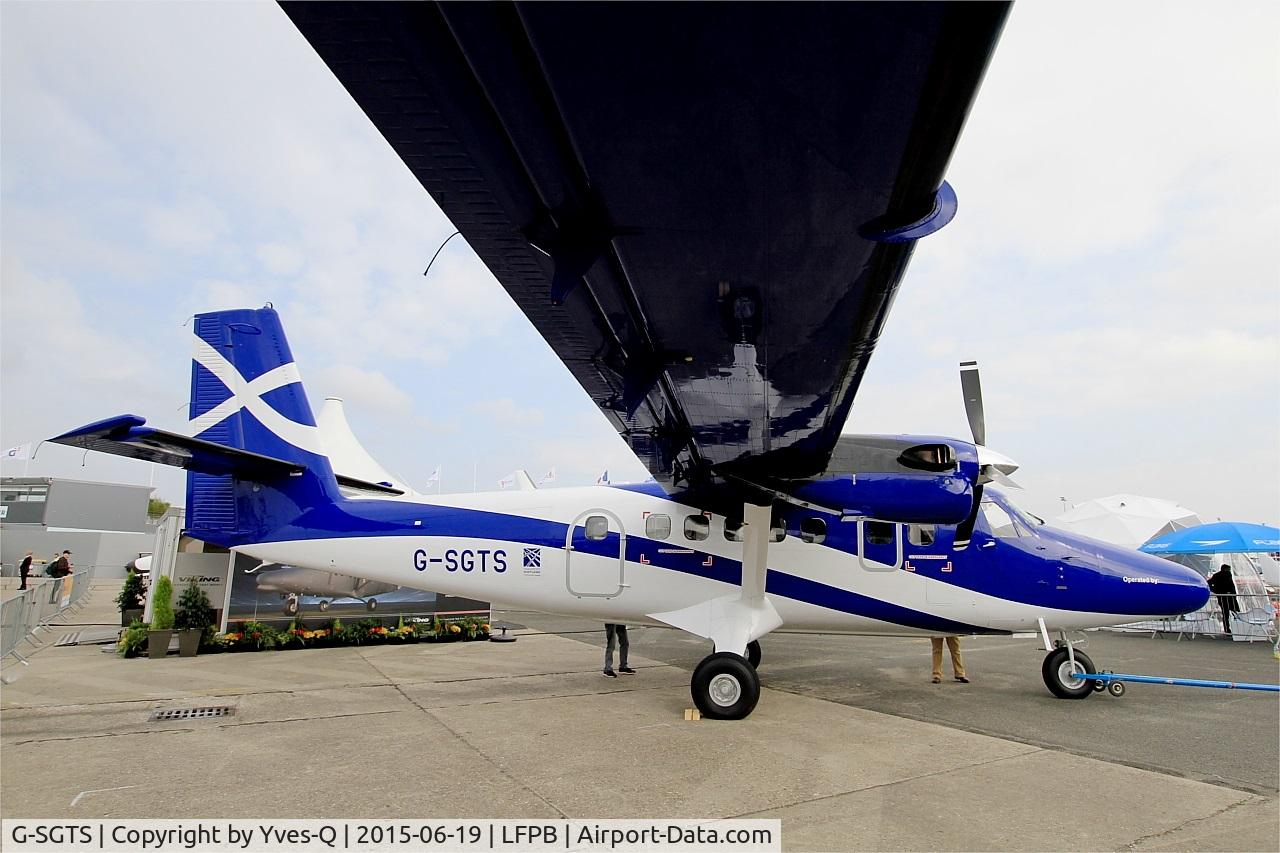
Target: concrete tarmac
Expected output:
[531,729]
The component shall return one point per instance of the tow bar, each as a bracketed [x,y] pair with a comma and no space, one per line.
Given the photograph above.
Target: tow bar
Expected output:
[1113,682]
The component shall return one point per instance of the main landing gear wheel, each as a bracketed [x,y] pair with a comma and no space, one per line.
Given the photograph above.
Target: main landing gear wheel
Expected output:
[324,605]
[371,605]
[1063,681]
[291,606]
[725,687]
[753,654]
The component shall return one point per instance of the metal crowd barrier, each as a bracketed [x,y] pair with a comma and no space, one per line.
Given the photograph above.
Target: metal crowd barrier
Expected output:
[30,611]
[1254,618]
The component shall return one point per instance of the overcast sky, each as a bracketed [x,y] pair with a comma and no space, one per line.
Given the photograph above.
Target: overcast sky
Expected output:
[1114,265]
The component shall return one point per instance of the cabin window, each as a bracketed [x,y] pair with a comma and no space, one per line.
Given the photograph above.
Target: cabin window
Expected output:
[697,527]
[733,531]
[878,532]
[1000,523]
[921,534]
[813,530]
[597,528]
[657,526]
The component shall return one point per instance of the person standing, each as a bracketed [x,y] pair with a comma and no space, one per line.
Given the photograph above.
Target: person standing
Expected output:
[60,567]
[25,569]
[616,634]
[1223,585]
[957,662]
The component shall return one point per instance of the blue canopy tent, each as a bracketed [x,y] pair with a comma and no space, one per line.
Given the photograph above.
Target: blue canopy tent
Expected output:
[1207,546]
[1221,537]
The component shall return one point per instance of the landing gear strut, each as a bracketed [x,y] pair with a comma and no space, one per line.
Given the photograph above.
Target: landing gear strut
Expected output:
[725,686]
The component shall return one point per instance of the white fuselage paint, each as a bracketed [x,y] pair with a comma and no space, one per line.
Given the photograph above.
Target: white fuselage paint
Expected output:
[648,589]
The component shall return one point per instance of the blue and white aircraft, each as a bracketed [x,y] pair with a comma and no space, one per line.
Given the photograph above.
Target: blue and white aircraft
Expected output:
[260,482]
[706,210]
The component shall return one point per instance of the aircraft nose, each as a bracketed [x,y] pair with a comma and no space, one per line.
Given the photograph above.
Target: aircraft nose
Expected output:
[1182,590]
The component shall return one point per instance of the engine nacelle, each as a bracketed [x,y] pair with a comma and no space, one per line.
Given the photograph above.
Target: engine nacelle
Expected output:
[921,479]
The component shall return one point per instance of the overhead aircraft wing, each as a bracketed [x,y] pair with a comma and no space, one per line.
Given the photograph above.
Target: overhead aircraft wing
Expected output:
[705,208]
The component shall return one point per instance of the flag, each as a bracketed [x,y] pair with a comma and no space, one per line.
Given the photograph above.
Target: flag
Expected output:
[603,479]
[435,476]
[22,451]
[507,480]
[549,477]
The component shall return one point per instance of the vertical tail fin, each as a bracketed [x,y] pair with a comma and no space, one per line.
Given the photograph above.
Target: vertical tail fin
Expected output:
[246,393]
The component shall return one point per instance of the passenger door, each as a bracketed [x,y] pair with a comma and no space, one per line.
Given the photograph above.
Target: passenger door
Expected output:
[595,555]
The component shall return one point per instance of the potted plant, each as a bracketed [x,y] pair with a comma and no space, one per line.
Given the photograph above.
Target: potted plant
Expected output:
[133,639]
[193,619]
[130,599]
[161,619]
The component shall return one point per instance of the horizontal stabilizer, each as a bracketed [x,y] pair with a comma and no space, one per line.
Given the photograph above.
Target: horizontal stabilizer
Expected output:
[365,486]
[128,435]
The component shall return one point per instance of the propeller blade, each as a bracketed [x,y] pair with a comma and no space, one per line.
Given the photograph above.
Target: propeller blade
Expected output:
[971,387]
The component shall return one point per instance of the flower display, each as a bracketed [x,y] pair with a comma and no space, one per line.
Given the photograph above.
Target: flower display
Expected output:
[259,636]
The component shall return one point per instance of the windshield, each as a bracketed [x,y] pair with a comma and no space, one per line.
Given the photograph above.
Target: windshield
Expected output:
[1027,518]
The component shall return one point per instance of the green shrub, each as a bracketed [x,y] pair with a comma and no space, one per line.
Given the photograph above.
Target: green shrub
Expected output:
[162,605]
[133,639]
[194,610]
[132,594]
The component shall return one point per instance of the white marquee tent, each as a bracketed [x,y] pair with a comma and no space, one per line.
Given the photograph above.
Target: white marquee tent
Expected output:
[1128,520]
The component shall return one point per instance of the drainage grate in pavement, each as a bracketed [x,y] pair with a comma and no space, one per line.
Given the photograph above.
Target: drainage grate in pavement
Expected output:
[190,713]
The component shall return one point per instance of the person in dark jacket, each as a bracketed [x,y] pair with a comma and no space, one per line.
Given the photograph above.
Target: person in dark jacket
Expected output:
[60,567]
[1223,585]
[24,570]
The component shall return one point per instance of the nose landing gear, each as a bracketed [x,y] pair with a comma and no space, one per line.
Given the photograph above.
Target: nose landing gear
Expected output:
[1062,674]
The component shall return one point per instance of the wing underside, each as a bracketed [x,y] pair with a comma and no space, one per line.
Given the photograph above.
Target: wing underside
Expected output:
[705,209]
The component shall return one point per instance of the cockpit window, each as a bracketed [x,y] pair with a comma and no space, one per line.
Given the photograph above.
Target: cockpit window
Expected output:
[999,521]
[921,534]
[1020,513]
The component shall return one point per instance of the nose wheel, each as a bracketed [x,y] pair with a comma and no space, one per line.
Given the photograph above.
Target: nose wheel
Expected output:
[725,686]
[1062,676]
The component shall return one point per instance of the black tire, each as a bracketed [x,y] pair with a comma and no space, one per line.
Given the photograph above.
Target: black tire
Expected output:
[1057,675]
[725,687]
[753,654]
[371,605]
[291,606]
[1116,688]
[324,605]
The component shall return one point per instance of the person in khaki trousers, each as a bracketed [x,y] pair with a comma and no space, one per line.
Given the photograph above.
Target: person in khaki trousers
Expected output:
[957,662]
